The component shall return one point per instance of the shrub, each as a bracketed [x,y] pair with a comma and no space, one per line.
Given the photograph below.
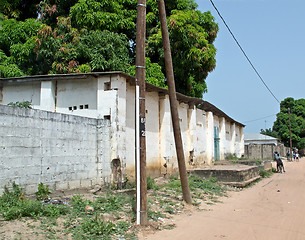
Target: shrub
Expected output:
[43,192]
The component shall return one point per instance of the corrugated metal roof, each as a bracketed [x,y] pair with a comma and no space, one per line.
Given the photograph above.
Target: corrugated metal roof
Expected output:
[257,136]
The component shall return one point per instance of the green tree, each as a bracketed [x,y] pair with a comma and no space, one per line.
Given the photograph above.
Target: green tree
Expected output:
[17,47]
[19,9]
[269,132]
[191,35]
[68,50]
[281,125]
[153,73]
[99,35]
[104,15]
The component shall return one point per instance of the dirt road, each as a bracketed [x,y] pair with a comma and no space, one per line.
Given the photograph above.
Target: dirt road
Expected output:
[274,208]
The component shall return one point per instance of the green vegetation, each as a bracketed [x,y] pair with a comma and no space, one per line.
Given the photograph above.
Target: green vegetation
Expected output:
[14,205]
[108,215]
[265,174]
[25,104]
[281,125]
[49,37]
[43,192]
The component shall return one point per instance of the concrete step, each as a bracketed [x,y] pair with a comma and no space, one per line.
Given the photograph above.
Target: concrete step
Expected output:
[238,175]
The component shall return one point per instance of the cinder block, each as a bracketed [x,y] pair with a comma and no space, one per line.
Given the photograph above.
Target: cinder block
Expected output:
[74,184]
[61,185]
[86,183]
[30,188]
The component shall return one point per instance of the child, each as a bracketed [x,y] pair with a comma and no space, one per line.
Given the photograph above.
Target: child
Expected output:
[279,163]
[297,157]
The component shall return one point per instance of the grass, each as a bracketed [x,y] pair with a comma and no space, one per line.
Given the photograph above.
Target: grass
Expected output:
[265,174]
[109,215]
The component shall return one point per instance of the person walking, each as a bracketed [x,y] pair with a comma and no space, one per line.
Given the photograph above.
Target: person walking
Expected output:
[297,156]
[279,163]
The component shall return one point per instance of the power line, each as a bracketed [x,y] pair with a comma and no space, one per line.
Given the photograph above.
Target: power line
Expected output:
[260,118]
[244,52]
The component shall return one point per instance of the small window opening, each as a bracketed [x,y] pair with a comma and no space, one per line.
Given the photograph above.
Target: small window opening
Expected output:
[86,106]
[74,107]
[81,106]
[107,117]
[70,109]
[107,86]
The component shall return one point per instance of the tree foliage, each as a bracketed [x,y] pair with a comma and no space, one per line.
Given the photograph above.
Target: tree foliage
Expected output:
[297,119]
[191,35]
[31,47]
[65,36]
[153,73]
[269,132]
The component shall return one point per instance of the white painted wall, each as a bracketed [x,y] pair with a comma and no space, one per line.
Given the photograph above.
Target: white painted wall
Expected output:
[24,91]
[62,151]
[210,138]
[168,156]
[47,96]
[77,94]
[200,152]
[112,97]
[152,133]
[130,131]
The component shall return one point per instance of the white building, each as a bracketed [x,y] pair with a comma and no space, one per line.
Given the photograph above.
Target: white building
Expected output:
[257,138]
[208,134]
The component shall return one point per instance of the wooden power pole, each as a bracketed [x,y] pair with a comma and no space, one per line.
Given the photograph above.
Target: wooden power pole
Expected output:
[140,76]
[174,104]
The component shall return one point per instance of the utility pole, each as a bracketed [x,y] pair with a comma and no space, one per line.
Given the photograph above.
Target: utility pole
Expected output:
[140,76]
[290,135]
[173,104]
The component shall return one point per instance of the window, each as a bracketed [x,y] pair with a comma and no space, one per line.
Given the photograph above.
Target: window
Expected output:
[107,86]
[107,117]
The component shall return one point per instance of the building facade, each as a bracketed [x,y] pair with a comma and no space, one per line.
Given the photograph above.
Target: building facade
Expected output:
[208,134]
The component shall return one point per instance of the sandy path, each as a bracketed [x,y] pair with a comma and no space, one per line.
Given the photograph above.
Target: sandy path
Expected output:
[272,209]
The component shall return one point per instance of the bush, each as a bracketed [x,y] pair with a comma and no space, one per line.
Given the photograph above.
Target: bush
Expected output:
[25,104]
[14,205]
[43,192]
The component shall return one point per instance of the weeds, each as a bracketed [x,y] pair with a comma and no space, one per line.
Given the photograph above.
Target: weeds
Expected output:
[43,192]
[97,227]
[14,205]
[265,174]
[25,104]
[107,216]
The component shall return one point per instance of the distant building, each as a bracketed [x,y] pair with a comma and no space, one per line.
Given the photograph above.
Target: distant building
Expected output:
[208,133]
[259,146]
[257,138]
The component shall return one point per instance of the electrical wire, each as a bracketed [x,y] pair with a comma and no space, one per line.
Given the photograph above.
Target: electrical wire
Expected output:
[260,118]
[243,52]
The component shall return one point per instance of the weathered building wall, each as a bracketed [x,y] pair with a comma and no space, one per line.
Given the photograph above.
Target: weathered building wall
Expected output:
[152,134]
[62,151]
[111,96]
[200,138]
[264,151]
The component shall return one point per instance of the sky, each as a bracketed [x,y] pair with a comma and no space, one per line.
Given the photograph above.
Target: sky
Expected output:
[272,33]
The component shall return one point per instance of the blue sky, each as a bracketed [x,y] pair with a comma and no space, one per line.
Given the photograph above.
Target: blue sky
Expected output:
[272,33]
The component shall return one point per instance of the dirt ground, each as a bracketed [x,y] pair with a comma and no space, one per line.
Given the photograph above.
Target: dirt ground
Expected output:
[273,209]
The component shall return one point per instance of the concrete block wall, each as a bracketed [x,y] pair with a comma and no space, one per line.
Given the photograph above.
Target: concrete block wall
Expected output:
[62,151]
[264,151]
